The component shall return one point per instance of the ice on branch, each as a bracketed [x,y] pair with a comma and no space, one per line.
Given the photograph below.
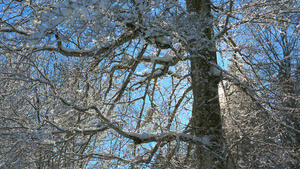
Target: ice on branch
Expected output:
[168,57]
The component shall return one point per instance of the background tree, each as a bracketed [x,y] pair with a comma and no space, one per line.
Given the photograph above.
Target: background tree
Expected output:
[265,127]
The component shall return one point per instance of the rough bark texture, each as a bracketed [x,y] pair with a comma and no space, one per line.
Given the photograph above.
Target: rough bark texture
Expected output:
[206,116]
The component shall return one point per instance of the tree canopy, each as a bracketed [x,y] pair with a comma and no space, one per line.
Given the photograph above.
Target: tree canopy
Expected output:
[135,83]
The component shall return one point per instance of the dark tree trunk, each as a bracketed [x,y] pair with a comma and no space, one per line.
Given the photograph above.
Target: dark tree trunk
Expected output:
[206,114]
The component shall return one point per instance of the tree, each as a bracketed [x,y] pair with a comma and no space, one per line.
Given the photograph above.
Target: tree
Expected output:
[265,126]
[206,114]
[130,84]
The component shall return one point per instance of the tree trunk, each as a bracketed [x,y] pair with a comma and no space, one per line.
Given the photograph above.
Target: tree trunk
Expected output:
[206,114]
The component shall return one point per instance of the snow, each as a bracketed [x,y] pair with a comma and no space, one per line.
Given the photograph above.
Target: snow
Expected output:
[42,80]
[116,65]
[214,71]
[54,22]
[158,72]
[143,136]
[125,59]
[205,140]
[42,28]
[57,5]
[104,4]
[85,50]
[168,57]
[163,40]
[35,37]
[49,142]
[142,72]
[66,12]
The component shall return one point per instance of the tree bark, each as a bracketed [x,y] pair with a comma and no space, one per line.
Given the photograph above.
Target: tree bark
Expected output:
[206,114]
